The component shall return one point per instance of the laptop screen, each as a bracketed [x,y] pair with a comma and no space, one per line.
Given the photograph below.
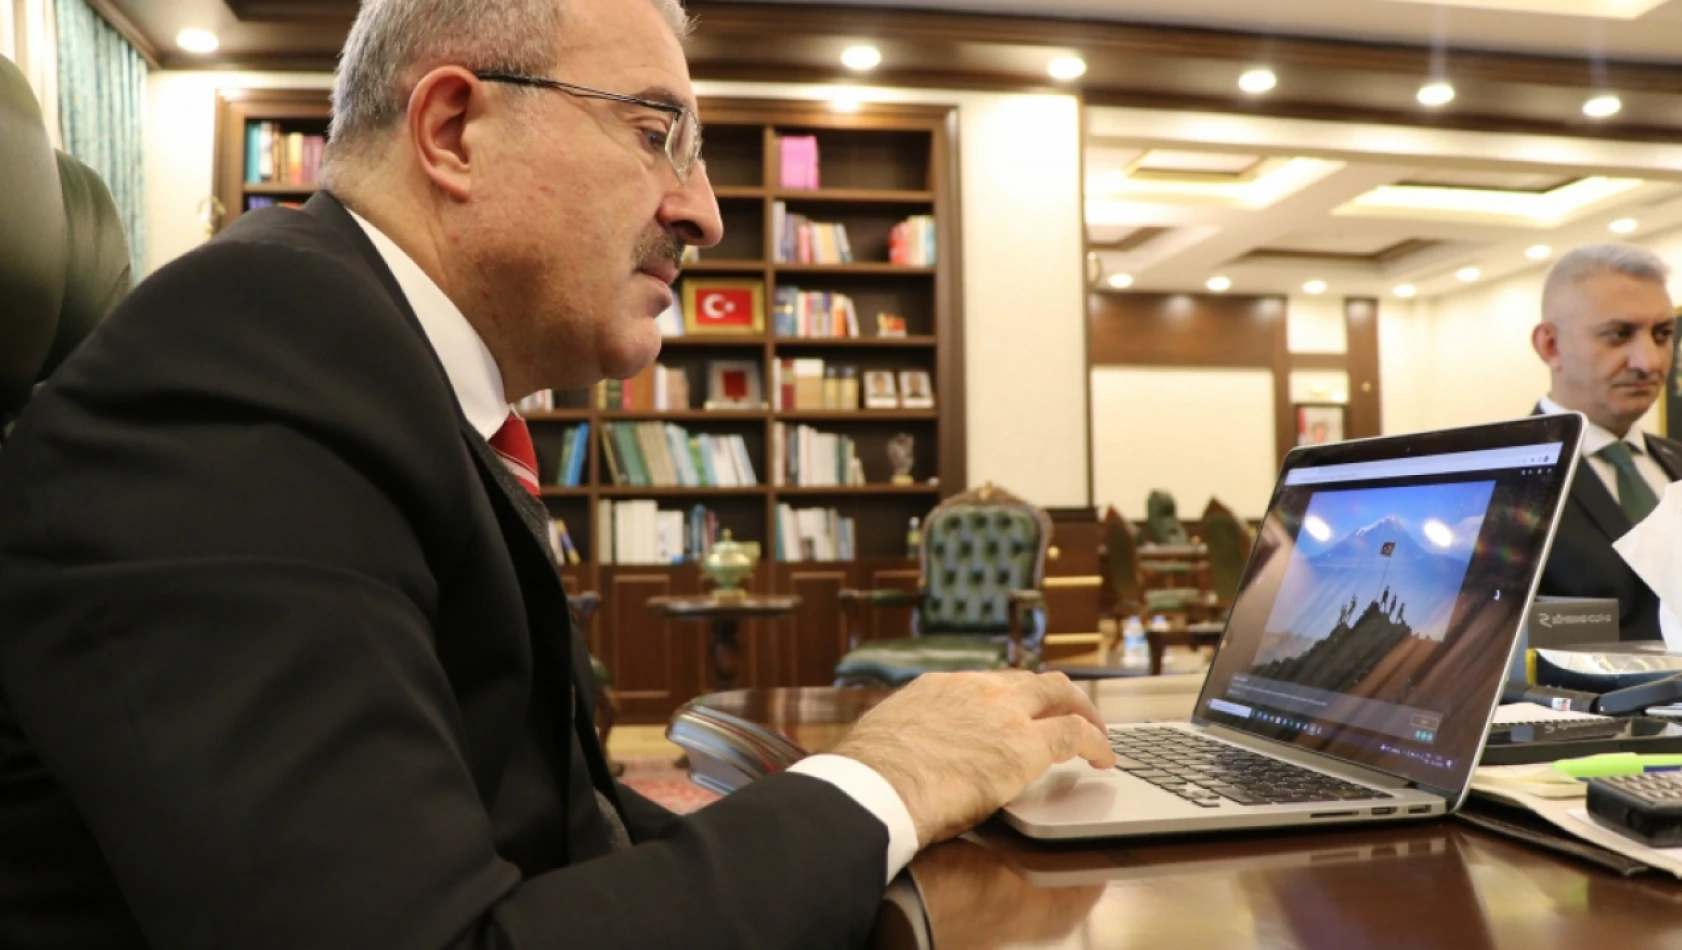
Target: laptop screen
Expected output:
[1385,591]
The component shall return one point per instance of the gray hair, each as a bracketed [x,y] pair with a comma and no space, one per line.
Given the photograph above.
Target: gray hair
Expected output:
[395,42]
[1590,260]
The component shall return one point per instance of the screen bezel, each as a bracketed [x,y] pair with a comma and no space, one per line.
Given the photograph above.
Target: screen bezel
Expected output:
[1564,428]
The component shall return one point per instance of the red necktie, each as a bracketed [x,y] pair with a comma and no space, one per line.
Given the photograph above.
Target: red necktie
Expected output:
[513,445]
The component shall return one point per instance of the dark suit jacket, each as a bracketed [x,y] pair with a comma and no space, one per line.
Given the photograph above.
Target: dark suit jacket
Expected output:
[282,665]
[1582,562]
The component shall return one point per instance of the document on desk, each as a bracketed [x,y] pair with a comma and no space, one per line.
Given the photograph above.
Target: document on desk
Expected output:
[1559,801]
[1508,713]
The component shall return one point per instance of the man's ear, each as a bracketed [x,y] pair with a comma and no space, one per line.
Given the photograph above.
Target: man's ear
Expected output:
[440,107]
[1544,339]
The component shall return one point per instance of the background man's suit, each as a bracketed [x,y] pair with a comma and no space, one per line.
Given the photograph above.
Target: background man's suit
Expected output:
[1582,562]
[284,664]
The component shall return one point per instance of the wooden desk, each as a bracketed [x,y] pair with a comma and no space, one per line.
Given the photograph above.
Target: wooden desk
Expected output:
[1441,884]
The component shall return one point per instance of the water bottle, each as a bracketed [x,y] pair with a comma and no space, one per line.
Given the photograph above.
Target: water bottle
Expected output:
[1134,648]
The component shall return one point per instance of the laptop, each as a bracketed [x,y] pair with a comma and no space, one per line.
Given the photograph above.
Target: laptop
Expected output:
[1364,652]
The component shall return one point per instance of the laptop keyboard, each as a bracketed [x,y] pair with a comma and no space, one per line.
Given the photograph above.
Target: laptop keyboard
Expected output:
[1205,772]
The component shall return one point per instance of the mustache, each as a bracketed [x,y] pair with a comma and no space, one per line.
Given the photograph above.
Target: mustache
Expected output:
[1637,377]
[660,247]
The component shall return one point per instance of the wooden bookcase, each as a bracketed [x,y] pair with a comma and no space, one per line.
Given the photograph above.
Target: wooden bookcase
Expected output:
[878,166]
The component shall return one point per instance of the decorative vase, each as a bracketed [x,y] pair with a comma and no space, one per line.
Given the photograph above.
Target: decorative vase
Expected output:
[728,564]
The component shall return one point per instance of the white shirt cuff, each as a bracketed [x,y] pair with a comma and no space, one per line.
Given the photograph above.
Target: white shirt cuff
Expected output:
[873,793]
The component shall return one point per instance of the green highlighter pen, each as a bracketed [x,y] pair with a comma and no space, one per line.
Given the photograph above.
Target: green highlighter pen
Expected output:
[1618,763]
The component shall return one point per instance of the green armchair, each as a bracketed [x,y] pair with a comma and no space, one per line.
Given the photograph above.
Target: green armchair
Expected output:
[979,606]
[1228,540]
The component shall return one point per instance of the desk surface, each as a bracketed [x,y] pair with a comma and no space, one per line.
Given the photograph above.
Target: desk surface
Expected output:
[1441,884]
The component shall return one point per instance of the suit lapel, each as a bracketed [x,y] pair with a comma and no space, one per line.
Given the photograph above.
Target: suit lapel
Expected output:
[1668,454]
[1589,493]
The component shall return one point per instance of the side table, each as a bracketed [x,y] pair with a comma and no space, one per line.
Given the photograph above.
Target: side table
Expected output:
[725,613]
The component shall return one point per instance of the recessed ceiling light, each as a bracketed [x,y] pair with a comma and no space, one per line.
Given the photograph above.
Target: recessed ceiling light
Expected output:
[843,102]
[1404,291]
[1121,281]
[1065,68]
[1623,226]
[1538,252]
[861,58]
[1314,287]
[1257,81]
[1219,285]
[1468,274]
[197,41]
[1601,106]
[1435,94]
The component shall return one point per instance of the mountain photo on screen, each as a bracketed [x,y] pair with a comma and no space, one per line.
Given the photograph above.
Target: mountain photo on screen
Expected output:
[1373,578]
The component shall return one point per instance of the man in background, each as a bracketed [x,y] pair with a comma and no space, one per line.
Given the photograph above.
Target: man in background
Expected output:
[1608,337]
[284,660]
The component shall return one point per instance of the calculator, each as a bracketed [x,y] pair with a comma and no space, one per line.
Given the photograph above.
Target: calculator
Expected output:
[1646,807]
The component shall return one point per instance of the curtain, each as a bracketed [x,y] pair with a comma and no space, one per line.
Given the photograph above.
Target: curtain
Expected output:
[101,104]
[26,38]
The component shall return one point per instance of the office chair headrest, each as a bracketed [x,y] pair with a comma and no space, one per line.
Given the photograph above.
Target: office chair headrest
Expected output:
[64,259]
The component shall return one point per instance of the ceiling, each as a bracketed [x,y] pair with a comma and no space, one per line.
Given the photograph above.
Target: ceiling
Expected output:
[1186,177]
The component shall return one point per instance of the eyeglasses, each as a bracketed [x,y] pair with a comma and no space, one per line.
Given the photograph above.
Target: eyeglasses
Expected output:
[682,140]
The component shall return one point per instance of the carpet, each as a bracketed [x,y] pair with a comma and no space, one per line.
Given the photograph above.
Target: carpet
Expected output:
[659,779]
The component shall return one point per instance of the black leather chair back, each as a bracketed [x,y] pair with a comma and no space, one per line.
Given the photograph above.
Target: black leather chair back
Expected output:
[64,260]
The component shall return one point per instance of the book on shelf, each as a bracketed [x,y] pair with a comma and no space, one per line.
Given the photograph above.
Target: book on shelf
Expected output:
[665,455]
[814,534]
[258,202]
[658,388]
[805,457]
[797,157]
[560,540]
[274,157]
[812,314]
[812,383]
[575,445]
[911,243]
[638,531]
[800,240]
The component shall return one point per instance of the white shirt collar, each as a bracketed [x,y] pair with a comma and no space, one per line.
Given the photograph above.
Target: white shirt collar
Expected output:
[467,362]
[1596,438]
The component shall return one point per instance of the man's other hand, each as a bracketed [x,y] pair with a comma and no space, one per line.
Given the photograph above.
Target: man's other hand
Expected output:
[957,746]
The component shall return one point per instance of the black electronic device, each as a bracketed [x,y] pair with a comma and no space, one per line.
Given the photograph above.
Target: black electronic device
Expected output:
[1572,700]
[1646,807]
[1620,702]
[1633,734]
[1556,730]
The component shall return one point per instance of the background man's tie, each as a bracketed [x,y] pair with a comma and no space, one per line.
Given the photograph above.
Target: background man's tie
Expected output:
[1635,496]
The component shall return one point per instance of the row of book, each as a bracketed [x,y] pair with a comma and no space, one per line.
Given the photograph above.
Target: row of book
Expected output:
[575,447]
[281,158]
[657,388]
[560,540]
[811,383]
[804,457]
[637,531]
[797,159]
[813,313]
[814,534]
[911,243]
[255,202]
[800,240]
[664,454]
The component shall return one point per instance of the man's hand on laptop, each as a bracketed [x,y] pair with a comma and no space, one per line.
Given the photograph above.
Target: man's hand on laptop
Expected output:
[958,746]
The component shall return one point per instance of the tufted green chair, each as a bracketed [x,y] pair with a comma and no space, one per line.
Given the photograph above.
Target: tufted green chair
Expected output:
[1229,540]
[979,606]
[1132,597]
[1162,522]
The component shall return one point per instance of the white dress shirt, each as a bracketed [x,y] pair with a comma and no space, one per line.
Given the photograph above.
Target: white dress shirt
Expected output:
[478,388]
[1596,438]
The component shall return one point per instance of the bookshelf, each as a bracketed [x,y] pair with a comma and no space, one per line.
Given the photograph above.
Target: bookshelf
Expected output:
[244,178]
[877,167]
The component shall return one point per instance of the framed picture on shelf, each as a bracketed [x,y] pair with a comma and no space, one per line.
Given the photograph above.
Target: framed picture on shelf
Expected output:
[1319,423]
[723,306]
[879,391]
[734,384]
[914,389]
[889,325]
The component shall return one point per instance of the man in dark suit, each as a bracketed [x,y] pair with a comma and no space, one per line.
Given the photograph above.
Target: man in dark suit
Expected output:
[284,659]
[1608,336]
